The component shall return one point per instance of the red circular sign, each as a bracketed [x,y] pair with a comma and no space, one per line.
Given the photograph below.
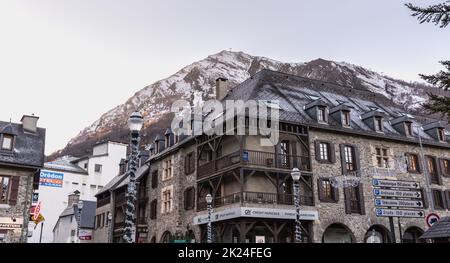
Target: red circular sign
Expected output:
[431,219]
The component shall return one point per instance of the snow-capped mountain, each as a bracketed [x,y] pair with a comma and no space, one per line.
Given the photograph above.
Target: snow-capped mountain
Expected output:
[196,82]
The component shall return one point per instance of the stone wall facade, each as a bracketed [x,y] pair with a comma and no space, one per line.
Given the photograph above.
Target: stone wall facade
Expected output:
[330,213]
[20,212]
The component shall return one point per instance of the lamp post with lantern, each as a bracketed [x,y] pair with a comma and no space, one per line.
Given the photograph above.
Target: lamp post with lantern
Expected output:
[295,173]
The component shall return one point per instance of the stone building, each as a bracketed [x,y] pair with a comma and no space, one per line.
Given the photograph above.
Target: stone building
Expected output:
[21,158]
[342,139]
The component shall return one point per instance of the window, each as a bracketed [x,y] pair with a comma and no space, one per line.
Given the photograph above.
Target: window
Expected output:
[438,199]
[408,129]
[441,134]
[189,163]
[155,179]
[189,198]
[446,167]
[327,193]
[432,170]
[349,157]
[284,152]
[167,169]
[346,118]
[4,189]
[382,157]
[413,163]
[323,151]
[153,209]
[98,168]
[354,199]
[85,165]
[166,199]
[7,142]
[321,114]
[378,124]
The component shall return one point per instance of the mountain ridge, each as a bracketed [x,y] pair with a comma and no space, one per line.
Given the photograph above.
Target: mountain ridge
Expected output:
[196,81]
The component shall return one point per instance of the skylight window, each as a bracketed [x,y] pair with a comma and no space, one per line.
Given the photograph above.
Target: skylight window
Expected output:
[313,97]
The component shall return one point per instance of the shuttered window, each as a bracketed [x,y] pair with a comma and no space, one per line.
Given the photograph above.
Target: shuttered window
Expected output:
[433,170]
[153,209]
[189,163]
[327,193]
[9,189]
[354,199]
[155,179]
[438,199]
[413,163]
[349,158]
[325,152]
[4,189]
[189,198]
[445,167]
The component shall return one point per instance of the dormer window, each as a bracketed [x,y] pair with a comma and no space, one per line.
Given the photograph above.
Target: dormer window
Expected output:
[322,114]
[7,142]
[346,118]
[379,124]
[441,134]
[408,129]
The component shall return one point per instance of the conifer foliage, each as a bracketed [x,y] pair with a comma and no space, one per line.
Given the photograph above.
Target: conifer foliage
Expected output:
[439,15]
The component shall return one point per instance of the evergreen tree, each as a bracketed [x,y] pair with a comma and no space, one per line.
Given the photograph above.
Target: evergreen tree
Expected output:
[440,15]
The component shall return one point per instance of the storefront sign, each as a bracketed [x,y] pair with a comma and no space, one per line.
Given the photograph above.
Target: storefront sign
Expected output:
[85,234]
[52,179]
[9,223]
[256,212]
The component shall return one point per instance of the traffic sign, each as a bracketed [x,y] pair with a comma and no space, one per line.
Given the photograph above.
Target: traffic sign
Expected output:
[396,193]
[395,184]
[431,219]
[398,203]
[381,212]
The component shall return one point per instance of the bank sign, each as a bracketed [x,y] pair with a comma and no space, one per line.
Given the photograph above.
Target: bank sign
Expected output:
[52,179]
[255,212]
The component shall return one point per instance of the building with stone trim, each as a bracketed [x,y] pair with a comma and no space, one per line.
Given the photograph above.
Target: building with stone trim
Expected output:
[335,135]
[21,158]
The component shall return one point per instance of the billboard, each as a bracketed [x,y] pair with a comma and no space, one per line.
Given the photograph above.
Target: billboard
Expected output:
[52,179]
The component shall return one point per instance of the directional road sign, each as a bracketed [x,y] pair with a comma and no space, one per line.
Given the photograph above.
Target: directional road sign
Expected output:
[395,184]
[398,203]
[396,193]
[398,213]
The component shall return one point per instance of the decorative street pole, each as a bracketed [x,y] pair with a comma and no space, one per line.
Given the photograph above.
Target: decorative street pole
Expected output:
[209,227]
[135,124]
[79,208]
[295,173]
[109,227]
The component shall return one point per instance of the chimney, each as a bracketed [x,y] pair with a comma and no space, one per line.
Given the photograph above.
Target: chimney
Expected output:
[221,88]
[73,198]
[29,123]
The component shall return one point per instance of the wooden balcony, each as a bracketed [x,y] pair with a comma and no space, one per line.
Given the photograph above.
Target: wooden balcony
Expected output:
[255,159]
[257,198]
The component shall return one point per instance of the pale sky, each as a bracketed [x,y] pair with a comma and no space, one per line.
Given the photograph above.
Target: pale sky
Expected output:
[69,61]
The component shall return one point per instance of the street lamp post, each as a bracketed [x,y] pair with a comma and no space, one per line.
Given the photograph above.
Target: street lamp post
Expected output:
[79,209]
[209,227]
[135,123]
[295,173]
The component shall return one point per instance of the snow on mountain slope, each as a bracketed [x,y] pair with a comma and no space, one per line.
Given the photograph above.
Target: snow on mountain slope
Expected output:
[196,82]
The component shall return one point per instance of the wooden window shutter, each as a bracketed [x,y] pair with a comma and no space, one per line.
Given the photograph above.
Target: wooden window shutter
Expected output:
[442,168]
[192,162]
[357,158]
[317,150]
[14,190]
[186,199]
[335,194]
[447,197]
[332,152]
[342,150]
[347,200]
[186,164]
[320,189]
[439,170]
[295,161]
[443,199]
[361,199]
[424,197]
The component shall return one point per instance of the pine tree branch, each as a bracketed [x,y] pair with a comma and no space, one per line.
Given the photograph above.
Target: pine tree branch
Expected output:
[437,14]
[439,104]
[440,79]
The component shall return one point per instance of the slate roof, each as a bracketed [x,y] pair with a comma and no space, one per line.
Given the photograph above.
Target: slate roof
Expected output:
[294,93]
[111,184]
[141,171]
[28,147]
[65,163]
[441,229]
[87,213]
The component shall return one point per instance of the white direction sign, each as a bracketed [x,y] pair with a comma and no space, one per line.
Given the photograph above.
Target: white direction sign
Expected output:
[396,193]
[398,203]
[398,213]
[395,184]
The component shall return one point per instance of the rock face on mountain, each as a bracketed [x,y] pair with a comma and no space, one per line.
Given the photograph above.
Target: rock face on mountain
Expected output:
[196,82]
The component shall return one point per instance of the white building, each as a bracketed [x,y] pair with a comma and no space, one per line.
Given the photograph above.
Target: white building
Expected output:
[75,224]
[65,175]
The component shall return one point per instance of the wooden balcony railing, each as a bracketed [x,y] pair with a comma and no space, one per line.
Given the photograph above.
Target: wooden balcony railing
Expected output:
[256,158]
[257,198]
